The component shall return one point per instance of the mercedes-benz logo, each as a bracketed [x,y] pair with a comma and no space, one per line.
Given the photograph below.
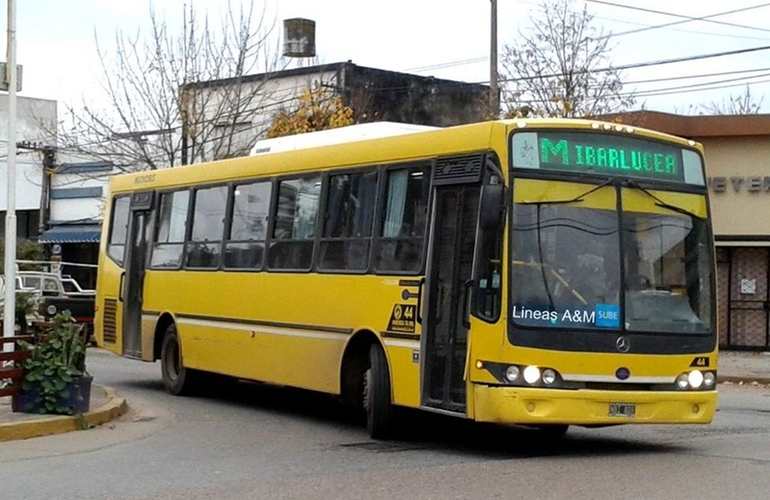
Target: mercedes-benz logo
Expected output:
[623,344]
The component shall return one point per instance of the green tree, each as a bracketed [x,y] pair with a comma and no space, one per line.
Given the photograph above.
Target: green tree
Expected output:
[25,250]
[560,66]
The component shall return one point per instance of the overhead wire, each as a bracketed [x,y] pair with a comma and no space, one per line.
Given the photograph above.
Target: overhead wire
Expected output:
[706,19]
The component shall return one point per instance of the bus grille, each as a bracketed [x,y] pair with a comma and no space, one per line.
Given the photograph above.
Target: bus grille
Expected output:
[458,169]
[609,386]
[109,323]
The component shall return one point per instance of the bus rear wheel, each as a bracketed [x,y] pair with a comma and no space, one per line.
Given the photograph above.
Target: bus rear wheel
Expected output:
[177,379]
[377,402]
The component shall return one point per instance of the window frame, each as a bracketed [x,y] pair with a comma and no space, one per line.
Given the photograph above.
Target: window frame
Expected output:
[191,222]
[111,231]
[380,213]
[321,239]
[271,182]
[274,202]
[156,220]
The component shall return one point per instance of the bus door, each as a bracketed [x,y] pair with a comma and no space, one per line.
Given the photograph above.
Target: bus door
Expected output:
[450,266]
[132,281]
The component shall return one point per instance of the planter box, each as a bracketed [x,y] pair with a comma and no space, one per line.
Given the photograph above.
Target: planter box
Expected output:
[79,400]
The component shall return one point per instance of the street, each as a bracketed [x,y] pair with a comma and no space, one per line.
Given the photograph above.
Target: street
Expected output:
[257,441]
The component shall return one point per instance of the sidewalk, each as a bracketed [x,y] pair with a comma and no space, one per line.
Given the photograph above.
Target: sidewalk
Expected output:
[742,367]
[735,367]
[105,405]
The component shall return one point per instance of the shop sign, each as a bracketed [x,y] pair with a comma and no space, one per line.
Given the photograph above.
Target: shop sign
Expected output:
[738,183]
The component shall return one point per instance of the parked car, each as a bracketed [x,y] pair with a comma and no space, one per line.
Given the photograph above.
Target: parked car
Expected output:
[51,293]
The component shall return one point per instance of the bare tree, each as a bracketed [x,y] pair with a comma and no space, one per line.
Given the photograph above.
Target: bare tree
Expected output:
[176,95]
[560,66]
[743,104]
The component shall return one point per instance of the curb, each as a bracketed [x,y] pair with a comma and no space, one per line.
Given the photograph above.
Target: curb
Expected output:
[743,380]
[115,407]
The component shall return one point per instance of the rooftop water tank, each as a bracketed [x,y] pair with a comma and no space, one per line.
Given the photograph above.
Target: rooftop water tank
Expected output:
[298,37]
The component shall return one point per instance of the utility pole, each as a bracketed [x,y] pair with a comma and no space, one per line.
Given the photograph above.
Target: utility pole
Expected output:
[494,91]
[9,311]
[49,164]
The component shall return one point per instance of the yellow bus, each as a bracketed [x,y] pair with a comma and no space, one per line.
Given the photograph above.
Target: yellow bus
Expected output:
[539,272]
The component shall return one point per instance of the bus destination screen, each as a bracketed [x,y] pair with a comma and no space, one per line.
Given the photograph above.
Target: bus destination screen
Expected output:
[605,154]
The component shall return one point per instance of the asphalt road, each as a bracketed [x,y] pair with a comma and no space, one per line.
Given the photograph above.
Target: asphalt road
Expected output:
[265,442]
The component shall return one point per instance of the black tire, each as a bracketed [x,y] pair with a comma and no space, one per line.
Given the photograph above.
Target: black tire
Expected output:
[377,398]
[177,379]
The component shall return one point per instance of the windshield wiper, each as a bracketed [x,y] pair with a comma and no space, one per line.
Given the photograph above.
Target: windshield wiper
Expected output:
[663,204]
[580,197]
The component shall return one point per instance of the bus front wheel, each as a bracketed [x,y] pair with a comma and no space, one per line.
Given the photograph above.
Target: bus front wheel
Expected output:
[377,402]
[177,379]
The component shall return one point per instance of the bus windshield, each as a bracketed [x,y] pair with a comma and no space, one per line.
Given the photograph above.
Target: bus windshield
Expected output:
[573,254]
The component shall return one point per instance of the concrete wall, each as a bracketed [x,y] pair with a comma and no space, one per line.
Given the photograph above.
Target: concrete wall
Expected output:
[738,170]
[374,95]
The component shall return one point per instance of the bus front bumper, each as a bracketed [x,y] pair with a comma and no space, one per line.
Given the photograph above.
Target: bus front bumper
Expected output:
[535,406]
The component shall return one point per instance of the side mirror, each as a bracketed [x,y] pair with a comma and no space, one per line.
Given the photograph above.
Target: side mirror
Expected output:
[492,206]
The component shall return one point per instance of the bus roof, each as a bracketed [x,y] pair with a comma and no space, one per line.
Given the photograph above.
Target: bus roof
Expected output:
[339,135]
[361,145]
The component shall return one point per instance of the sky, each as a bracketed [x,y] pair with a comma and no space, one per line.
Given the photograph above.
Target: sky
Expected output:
[441,38]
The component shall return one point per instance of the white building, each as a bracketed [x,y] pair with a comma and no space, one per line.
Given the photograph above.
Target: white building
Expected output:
[59,199]
[33,117]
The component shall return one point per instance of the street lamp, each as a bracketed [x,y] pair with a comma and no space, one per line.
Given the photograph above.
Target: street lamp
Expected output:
[9,311]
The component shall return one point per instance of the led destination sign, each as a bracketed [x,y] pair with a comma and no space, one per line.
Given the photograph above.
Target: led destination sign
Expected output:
[599,153]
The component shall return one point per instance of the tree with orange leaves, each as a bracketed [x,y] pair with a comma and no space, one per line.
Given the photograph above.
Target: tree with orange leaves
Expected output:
[318,109]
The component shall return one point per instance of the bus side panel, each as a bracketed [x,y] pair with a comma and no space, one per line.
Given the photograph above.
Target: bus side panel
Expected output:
[108,318]
[404,361]
[285,328]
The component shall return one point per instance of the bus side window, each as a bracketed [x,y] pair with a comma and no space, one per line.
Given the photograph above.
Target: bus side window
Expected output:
[205,245]
[348,219]
[245,241]
[168,244]
[116,245]
[291,245]
[402,230]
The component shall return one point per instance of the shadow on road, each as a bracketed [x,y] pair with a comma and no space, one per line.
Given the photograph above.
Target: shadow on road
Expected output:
[418,429]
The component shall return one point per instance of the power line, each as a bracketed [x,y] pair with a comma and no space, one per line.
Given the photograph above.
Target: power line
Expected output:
[659,62]
[664,92]
[700,75]
[688,18]
[475,60]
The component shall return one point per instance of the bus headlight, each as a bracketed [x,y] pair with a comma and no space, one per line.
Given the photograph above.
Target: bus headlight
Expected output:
[695,379]
[531,374]
[51,309]
[512,373]
[549,376]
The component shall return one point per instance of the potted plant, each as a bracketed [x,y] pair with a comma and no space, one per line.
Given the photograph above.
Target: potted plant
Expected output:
[55,377]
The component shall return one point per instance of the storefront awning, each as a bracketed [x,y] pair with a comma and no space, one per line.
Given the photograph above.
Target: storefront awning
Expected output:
[72,233]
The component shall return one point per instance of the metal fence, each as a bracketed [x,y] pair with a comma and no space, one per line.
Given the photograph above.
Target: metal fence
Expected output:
[742,295]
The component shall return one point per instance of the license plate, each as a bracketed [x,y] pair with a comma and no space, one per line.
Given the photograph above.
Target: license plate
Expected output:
[622,410]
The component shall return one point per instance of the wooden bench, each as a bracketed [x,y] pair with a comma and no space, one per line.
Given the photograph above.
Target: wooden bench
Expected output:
[10,372]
